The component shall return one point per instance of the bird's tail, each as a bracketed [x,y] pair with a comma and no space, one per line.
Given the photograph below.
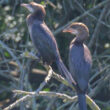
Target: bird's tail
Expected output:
[82,102]
[62,68]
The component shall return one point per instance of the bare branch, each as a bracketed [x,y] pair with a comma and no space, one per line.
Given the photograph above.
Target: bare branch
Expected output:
[98,25]
[65,97]
[27,97]
[81,16]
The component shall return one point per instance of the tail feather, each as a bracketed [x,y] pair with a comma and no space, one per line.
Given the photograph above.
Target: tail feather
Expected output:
[62,68]
[82,102]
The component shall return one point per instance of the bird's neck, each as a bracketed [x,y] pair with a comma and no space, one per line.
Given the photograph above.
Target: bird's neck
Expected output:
[31,18]
[81,38]
[38,15]
[76,42]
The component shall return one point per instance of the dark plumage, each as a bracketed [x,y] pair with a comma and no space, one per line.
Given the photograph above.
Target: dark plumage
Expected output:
[80,60]
[43,38]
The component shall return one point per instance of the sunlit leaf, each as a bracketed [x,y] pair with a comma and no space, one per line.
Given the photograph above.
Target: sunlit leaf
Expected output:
[46,89]
[6,54]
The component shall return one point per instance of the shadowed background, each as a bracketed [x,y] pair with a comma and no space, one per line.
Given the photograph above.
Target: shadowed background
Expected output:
[18,72]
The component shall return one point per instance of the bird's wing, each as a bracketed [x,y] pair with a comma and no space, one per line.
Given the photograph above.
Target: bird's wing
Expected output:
[80,64]
[43,36]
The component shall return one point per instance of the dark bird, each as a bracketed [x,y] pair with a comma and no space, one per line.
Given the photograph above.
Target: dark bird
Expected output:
[43,39]
[80,60]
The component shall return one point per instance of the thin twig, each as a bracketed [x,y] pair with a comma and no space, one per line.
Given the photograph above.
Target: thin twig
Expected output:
[62,80]
[65,97]
[3,45]
[97,29]
[27,97]
[81,16]
[91,15]
[99,86]
[96,74]
[49,94]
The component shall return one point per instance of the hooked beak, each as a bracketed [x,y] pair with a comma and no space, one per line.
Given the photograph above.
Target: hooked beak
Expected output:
[25,5]
[28,6]
[68,30]
[71,30]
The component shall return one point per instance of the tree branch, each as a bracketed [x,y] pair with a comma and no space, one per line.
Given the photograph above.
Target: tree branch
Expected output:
[81,16]
[27,97]
[65,97]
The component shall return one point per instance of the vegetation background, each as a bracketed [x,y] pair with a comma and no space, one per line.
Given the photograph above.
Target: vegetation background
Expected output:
[22,73]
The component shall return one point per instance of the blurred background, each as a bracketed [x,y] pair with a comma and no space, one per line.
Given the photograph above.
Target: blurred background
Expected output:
[22,73]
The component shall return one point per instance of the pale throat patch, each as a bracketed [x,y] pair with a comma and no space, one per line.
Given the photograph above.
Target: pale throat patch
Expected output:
[75,32]
[30,9]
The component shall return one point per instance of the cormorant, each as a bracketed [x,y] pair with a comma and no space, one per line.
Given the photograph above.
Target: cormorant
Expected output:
[43,39]
[80,60]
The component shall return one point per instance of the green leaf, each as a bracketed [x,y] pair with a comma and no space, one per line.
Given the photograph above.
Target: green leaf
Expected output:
[46,89]
[6,54]
[42,3]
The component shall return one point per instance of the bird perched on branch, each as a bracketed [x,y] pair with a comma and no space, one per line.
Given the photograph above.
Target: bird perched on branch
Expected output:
[43,39]
[80,60]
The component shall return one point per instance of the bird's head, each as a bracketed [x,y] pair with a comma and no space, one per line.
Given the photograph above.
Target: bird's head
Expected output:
[34,7]
[79,29]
